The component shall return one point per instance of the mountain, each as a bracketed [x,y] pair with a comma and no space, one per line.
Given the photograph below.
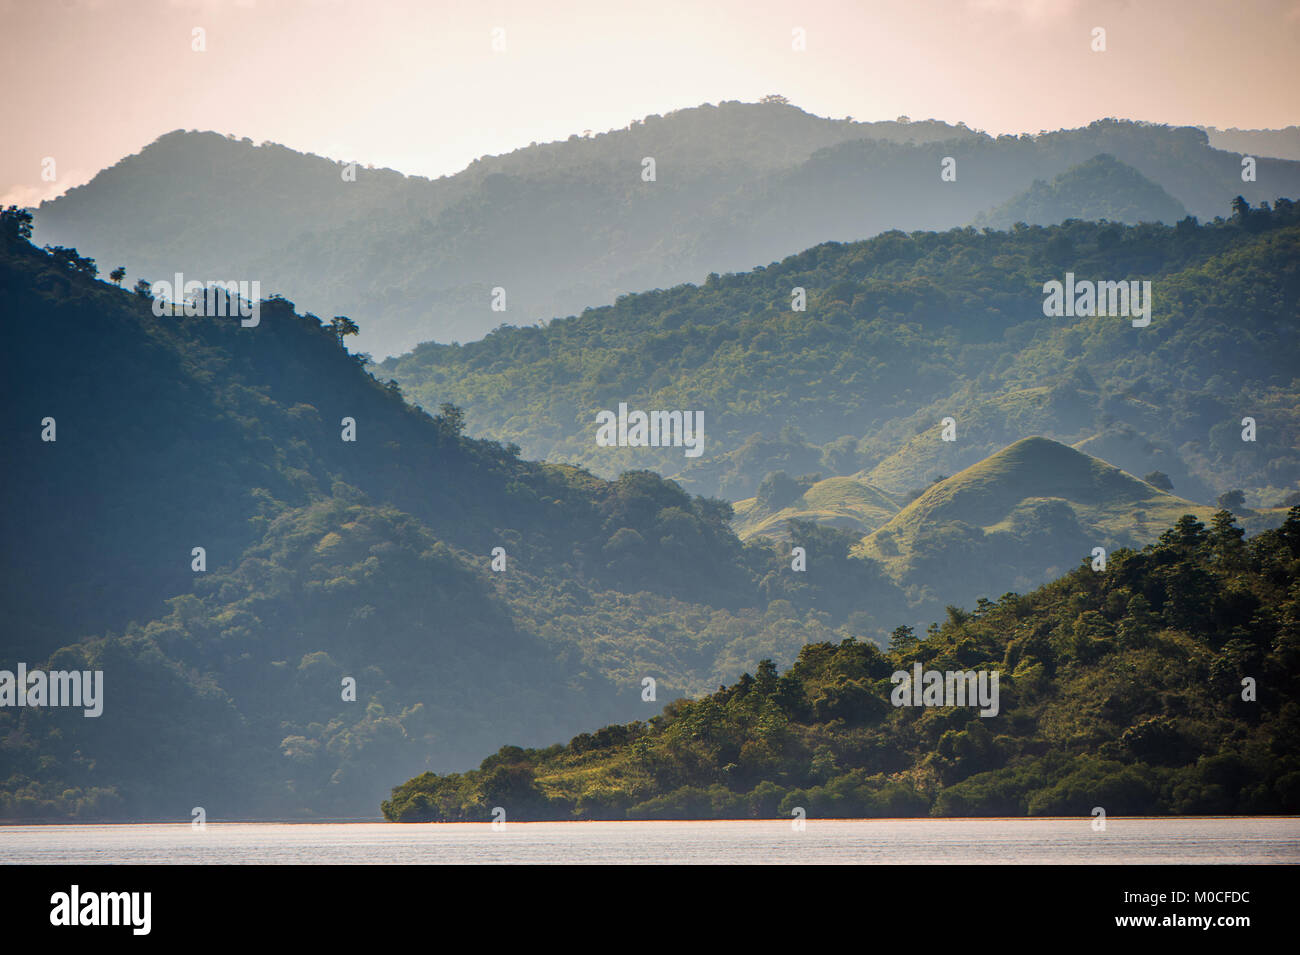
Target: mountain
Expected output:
[181,511]
[905,330]
[1163,685]
[562,226]
[1101,188]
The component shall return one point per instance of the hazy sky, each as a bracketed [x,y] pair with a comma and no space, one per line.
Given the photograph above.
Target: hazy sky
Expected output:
[417,86]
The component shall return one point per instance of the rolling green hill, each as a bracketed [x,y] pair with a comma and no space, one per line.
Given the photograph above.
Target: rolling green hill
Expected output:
[1017,519]
[838,502]
[1035,504]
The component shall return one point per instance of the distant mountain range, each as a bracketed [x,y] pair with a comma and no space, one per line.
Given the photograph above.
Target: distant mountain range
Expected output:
[568,225]
[1276,143]
[902,331]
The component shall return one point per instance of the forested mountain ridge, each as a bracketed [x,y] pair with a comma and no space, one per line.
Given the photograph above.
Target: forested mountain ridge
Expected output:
[1164,685]
[252,418]
[904,330]
[566,225]
[135,439]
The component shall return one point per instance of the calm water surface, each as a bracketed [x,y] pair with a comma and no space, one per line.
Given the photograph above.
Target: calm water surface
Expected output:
[927,841]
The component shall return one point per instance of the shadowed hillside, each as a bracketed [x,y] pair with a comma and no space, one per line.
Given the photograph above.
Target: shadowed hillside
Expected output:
[182,510]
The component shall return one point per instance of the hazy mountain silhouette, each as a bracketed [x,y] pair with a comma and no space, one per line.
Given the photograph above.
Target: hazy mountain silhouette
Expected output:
[567,225]
[1276,143]
[1101,188]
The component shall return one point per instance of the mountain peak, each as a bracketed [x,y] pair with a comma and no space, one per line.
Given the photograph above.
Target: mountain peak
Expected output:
[1102,187]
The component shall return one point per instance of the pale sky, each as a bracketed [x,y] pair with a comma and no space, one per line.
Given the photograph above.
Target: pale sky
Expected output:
[416,86]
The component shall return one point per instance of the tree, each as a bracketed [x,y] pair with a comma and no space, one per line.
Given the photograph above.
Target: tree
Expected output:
[775,98]
[71,260]
[1234,500]
[1186,536]
[15,224]
[766,680]
[902,639]
[1227,539]
[1159,479]
[512,787]
[453,418]
[143,289]
[341,325]
[777,490]
[118,274]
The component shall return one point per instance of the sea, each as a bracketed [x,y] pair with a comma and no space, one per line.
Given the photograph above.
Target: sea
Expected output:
[1128,840]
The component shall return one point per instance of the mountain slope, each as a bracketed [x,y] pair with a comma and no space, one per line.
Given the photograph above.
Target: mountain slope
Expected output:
[838,502]
[1278,143]
[323,560]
